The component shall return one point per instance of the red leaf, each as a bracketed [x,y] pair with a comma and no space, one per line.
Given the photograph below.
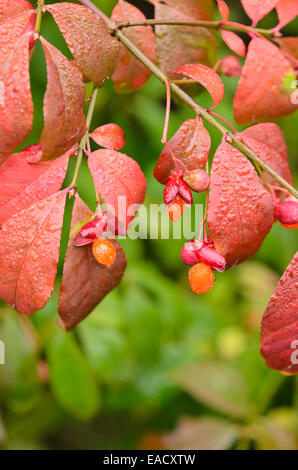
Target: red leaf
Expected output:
[265,87]
[92,46]
[130,74]
[223,10]
[110,136]
[179,45]
[118,176]
[16,107]
[240,211]
[279,333]
[206,77]
[24,184]
[191,144]
[29,251]
[11,8]
[287,11]
[234,42]
[64,120]
[85,282]
[257,9]
[267,140]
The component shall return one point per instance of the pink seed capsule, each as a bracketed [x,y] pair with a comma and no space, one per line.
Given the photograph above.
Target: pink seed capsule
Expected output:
[197,180]
[231,66]
[210,256]
[188,255]
[287,212]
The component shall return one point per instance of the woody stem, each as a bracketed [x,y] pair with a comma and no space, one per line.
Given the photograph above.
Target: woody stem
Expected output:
[198,109]
[39,6]
[227,26]
[83,142]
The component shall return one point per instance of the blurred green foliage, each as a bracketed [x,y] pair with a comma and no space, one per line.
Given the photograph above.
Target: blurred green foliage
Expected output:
[152,352]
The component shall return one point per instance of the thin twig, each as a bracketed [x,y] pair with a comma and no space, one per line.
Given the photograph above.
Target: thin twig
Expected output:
[83,142]
[227,26]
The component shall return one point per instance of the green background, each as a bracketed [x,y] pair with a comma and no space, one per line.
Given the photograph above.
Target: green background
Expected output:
[154,365]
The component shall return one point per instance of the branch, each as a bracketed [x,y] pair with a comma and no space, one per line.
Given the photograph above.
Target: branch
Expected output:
[227,26]
[39,6]
[198,109]
[83,142]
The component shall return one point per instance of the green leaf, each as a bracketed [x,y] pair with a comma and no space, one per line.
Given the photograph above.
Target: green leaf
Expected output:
[71,377]
[217,385]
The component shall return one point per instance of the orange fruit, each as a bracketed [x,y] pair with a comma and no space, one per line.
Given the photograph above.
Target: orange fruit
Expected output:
[104,251]
[175,209]
[201,278]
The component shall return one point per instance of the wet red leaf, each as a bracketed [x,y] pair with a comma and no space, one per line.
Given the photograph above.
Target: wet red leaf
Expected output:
[223,10]
[268,142]
[16,107]
[179,45]
[287,11]
[279,333]
[24,184]
[94,50]
[119,181]
[11,8]
[240,211]
[257,9]
[130,74]
[85,282]
[234,42]
[64,120]
[206,77]
[29,252]
[265,86]
[109,136]
[191,144]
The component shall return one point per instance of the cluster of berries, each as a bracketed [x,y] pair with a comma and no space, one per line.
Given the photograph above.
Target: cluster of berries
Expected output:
[177,192]
[286,213]
[94,232]
[204,259]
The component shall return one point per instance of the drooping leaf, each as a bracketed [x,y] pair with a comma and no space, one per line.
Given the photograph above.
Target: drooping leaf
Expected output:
[267,67]
[109,136]
[240,210]
[217,385]
[268,142]
[287,11]
[223,9]
[16,107]
[71,377]
[29,251]
[64,120]
[24,184]
[11,8]
[119,181]
[92,46]
[206,77]
[85,282]
[179,45]
[279,330]
[191,144]
[257,9]
[130,74]
[203,433]
[234,42]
